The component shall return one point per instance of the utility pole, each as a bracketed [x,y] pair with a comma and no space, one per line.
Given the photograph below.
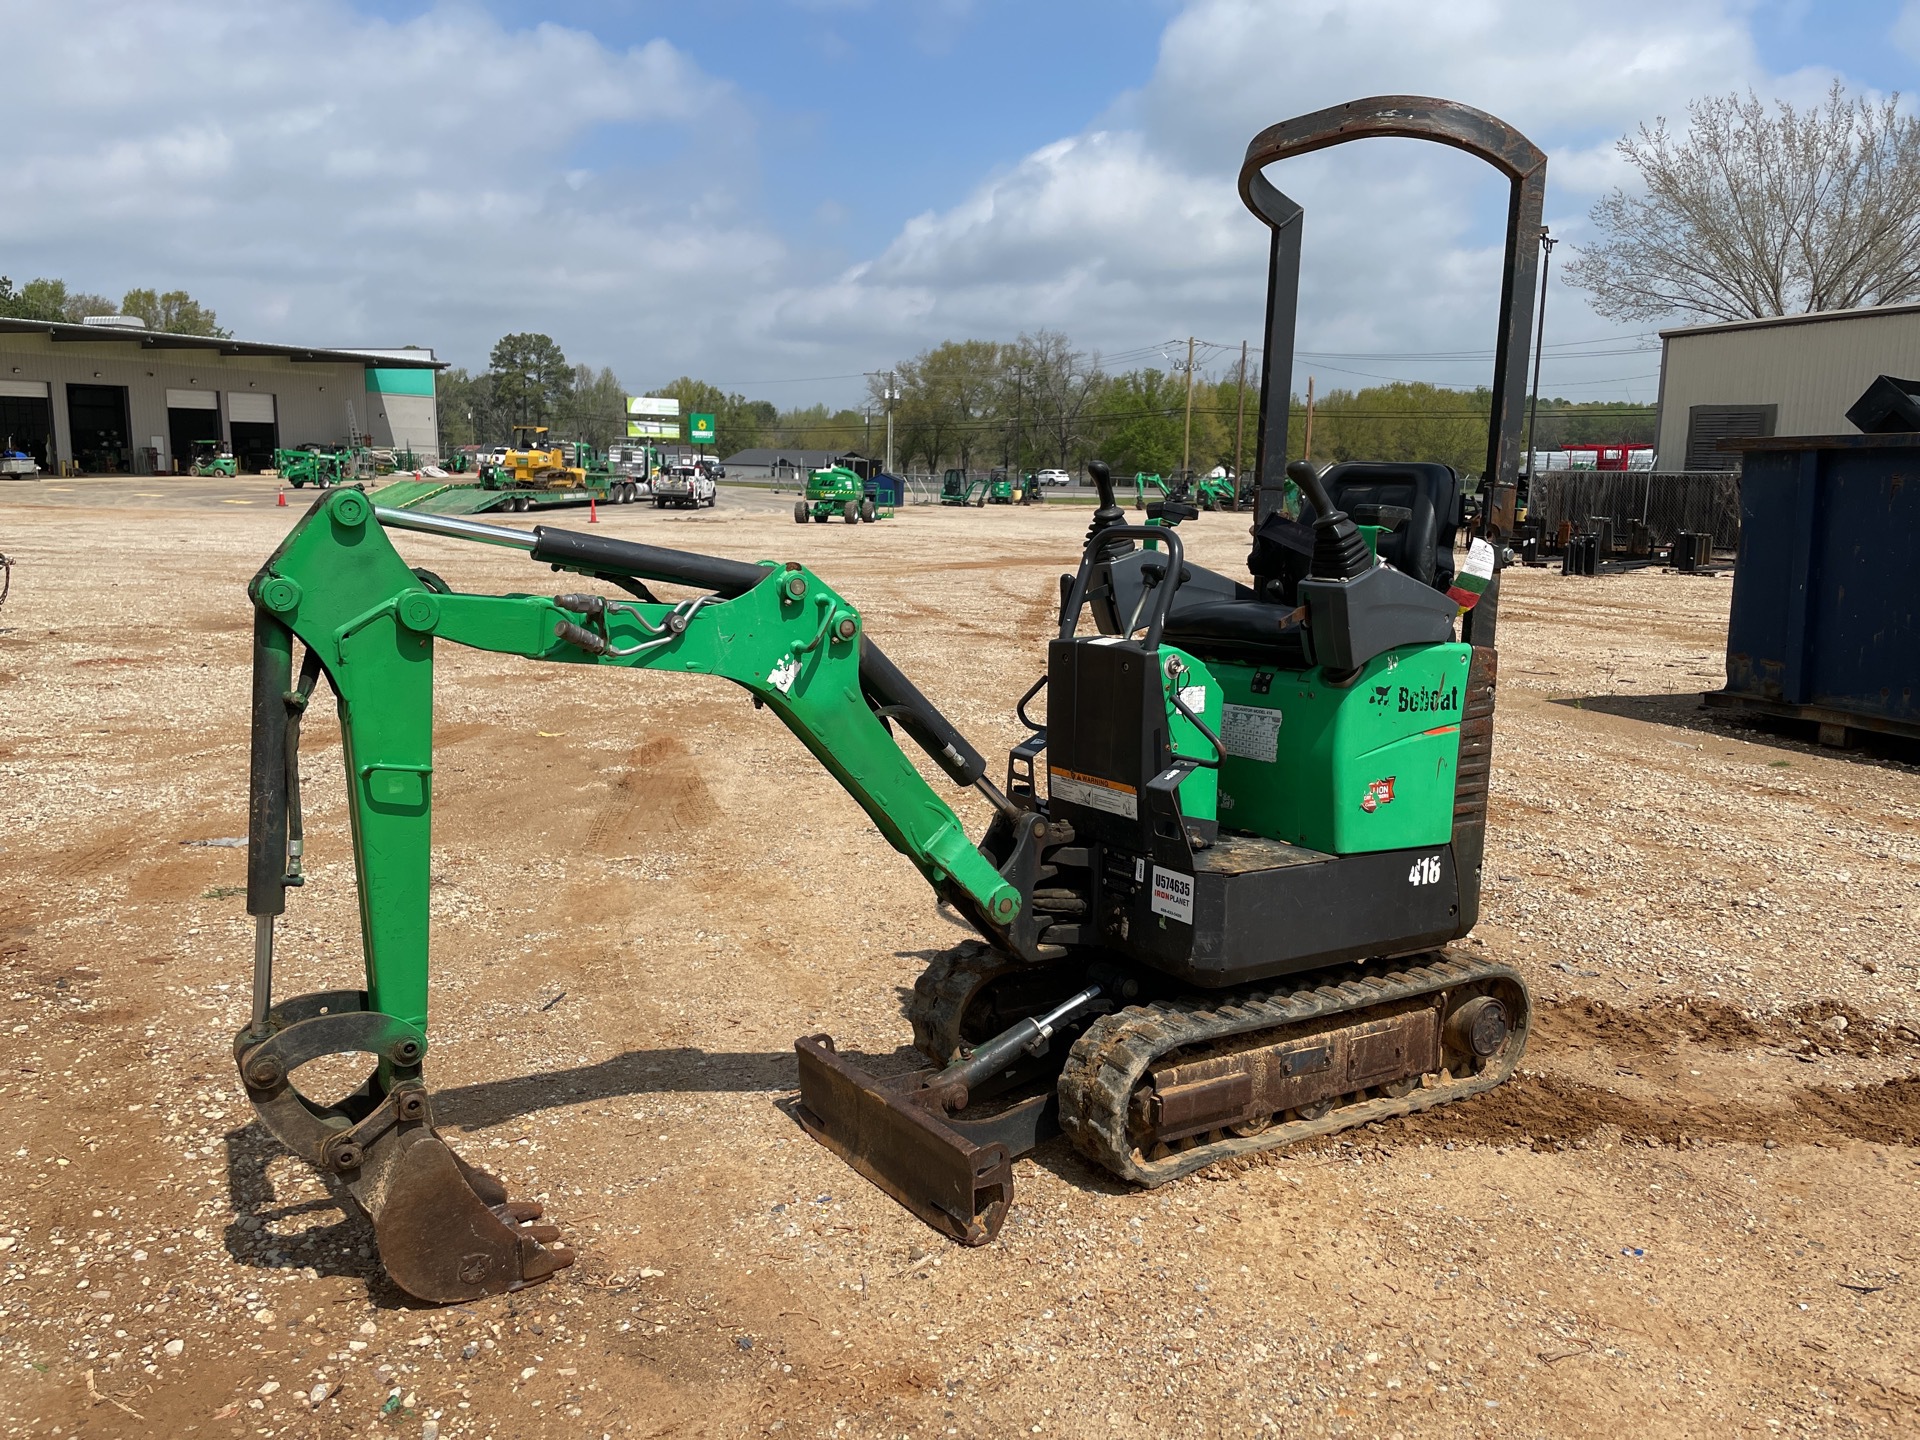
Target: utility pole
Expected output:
[892,395]
[1186,447]
[1547,242]
[1307,444]
[1240,425]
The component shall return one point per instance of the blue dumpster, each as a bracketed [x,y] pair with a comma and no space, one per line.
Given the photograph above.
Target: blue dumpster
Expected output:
[1827,584]
[888,489]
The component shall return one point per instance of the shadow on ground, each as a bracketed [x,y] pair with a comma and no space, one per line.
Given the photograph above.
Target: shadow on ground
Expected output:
[1686,711]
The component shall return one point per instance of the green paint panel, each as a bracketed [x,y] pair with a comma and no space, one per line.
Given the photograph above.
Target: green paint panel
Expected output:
[1346,769]
[411,381]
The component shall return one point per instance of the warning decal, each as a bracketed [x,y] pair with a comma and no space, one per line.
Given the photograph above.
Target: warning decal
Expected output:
[1094,792]
[1251,732]
[1173,895]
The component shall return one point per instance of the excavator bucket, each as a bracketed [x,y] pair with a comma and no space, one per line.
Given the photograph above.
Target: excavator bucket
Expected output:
[447,1231]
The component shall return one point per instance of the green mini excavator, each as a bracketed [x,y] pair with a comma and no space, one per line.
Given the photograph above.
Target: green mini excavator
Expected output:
[1221,873]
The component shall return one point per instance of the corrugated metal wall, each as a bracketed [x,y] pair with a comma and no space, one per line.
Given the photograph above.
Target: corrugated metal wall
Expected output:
[1812,370]
[310,399]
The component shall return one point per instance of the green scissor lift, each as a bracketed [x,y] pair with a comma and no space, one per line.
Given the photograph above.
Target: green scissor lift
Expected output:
[836,490]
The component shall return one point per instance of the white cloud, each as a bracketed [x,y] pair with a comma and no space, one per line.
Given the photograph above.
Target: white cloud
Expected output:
[323,176]
[1906,30]
[1134,233]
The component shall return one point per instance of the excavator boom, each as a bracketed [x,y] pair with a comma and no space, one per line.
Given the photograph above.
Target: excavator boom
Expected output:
[369,624]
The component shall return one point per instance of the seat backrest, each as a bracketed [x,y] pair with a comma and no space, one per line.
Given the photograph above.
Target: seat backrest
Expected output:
[1418,502]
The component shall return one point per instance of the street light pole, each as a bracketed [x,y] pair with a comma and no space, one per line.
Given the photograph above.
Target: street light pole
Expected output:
[1547,242]
[1240,425]
[892,395]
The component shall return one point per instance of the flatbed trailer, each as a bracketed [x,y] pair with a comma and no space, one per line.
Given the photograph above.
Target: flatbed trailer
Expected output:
[454,497]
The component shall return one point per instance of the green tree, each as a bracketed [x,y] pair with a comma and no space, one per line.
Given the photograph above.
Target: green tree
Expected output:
[41,299]
[950,402]
[1594,422]
[595,407]
[1141,413]
[36,300]
[529,379]
[739,423]
[175,312]
[1403,421]
[461,402]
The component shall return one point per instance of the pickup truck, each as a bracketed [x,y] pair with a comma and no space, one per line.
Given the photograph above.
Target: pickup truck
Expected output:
[686,487]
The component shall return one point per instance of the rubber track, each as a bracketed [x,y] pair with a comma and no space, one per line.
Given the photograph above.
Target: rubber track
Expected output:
[944,991]
[1109,1060]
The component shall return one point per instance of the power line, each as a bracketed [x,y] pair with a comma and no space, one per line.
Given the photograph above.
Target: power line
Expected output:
[790,380]
[996,425]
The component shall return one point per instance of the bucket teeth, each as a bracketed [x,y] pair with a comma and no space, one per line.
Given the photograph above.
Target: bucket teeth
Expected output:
[447,1231]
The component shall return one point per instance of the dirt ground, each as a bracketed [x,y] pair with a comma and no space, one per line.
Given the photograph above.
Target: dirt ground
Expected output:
[1692,1214]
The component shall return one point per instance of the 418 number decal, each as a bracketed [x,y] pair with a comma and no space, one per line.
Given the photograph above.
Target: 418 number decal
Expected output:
[1425,871]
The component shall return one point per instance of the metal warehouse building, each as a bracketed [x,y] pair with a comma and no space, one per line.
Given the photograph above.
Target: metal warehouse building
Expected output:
[1791,375]
[121,398]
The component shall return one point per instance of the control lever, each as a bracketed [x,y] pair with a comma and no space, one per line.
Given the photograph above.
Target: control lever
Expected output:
[1109,514]
[1338,551]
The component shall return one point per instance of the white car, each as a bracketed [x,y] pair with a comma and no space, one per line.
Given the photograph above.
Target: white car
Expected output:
[1053,477]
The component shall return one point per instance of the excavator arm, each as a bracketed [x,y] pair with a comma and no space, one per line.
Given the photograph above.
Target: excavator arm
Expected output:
[338,590]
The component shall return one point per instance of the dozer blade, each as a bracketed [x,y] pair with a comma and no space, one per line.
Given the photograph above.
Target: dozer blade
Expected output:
[894,1133]
[446,1231]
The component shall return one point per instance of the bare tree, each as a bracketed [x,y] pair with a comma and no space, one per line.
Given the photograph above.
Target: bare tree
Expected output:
[1054,384]
[1754,213]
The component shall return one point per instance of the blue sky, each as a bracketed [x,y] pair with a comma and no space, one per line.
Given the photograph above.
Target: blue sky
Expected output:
[796,191]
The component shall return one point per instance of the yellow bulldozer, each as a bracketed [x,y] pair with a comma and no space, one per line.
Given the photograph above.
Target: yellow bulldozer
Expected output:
[539,462]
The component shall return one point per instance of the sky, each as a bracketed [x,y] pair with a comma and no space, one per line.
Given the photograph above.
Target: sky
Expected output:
[782,195]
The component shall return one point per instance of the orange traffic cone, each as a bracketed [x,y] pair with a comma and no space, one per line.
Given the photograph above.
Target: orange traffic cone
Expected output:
[282,501]
[593,511]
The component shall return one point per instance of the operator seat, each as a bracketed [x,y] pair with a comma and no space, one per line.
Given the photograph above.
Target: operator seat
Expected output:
[1417,503]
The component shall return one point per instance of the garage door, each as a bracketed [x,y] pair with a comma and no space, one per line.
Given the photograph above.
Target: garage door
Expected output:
[250,421]
[251,408]
[26,419]
[97,420]
[193,426]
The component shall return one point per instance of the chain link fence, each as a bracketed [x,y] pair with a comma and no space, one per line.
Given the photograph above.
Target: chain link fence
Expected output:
[1665,502]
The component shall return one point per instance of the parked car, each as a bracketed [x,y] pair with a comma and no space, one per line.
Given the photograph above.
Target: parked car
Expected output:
[1054,477]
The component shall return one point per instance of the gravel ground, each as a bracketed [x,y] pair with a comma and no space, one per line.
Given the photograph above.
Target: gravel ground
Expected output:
[1690,1215]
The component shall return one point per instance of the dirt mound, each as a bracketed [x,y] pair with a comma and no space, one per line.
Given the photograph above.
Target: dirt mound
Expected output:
[1550,1112]
[1830,1026]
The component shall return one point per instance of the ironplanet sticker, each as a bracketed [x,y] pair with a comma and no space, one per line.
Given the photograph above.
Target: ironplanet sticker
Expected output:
[1173,895]
[1094,792]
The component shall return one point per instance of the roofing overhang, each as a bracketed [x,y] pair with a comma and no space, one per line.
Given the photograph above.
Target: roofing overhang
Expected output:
[63,333]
